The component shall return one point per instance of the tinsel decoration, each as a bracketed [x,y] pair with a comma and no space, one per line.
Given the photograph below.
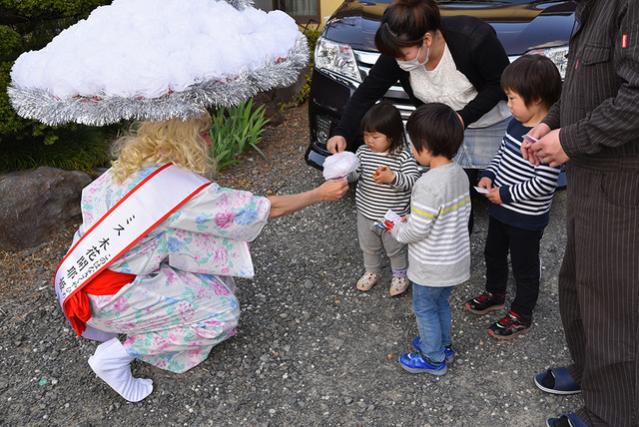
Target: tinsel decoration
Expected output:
[40,105]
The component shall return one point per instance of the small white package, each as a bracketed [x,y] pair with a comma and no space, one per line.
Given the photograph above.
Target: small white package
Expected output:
[340,165]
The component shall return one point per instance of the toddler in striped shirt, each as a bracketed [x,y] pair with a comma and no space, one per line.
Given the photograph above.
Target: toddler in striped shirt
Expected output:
[520,194]
[385,176]
[436,232]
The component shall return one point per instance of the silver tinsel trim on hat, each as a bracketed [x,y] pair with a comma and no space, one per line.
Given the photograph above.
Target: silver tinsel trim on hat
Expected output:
[240,4]
[40,105]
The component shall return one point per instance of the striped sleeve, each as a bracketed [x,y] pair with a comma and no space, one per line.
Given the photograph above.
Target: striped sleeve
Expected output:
[538,186]
[493,166]
[424,210]
[408,173]
[614,120]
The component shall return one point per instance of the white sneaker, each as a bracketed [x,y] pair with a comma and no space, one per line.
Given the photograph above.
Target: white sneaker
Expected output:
[367,281]
[398,285]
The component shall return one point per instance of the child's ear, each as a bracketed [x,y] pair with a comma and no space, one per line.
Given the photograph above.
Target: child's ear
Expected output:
[537,101]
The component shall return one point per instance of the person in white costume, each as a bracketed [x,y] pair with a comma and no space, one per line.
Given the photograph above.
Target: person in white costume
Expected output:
[178,305]
[159,244]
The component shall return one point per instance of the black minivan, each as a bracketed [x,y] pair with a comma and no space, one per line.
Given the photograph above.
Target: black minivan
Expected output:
[345,51]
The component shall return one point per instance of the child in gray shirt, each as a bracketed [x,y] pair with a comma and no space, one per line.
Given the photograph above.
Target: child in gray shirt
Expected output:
[436,232]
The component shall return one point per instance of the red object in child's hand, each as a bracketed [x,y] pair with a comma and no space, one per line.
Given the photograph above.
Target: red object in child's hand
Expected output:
[389,224]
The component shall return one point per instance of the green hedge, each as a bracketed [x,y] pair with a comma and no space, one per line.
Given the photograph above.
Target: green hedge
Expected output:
[29,25]
[47,9]
[311,35]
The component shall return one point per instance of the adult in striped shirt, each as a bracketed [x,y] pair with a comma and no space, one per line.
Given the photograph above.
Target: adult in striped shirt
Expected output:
[385,176]
[520,194]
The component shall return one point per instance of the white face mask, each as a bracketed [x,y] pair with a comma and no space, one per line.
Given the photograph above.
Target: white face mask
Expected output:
[413,64]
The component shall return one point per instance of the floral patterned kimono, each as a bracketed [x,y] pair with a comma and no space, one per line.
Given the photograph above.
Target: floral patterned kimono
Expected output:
[182,300]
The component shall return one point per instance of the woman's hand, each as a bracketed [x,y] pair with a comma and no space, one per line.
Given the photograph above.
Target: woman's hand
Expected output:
[333,189]
[383,175]
[485,182]
[336,144]
[538,132]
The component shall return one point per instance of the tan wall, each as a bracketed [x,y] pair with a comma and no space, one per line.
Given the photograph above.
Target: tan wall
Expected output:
[327,7]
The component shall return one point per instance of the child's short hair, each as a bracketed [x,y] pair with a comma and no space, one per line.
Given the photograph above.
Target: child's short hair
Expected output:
[533,77]
[437,128]
[385,118]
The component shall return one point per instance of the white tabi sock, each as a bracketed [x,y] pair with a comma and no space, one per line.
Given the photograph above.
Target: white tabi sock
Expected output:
[112,364]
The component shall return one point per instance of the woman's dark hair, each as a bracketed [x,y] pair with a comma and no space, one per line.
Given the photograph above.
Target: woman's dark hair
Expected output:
[404,24]
[437,128]
[533,77]
[385,118]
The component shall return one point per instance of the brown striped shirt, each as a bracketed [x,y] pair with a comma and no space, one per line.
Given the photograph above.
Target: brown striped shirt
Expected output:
[599,107]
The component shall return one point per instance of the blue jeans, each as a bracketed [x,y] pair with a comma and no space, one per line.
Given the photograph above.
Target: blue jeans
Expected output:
[433,319]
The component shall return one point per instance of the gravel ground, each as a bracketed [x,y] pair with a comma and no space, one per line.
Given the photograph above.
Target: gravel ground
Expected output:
[311,350]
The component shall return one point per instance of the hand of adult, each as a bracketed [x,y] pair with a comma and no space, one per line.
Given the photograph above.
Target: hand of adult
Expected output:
[549,150]
[333,189]
[538,132]
[485,182]
[336,144]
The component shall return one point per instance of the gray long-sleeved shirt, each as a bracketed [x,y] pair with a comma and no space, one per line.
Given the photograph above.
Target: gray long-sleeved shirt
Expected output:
[437,228]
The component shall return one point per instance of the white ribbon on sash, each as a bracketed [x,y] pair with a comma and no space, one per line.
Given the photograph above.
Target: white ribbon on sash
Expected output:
[148,204]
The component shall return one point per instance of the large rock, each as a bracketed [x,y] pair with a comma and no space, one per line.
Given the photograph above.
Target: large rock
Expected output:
[36,203]
[273,99]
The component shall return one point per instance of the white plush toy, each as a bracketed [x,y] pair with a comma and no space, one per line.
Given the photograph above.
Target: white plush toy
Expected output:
[340,165]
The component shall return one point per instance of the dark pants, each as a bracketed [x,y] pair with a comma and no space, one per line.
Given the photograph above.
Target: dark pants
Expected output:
[523,246]
[599,290]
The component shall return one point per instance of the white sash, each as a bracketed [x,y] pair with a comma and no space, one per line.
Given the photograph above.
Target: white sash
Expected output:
[148,204]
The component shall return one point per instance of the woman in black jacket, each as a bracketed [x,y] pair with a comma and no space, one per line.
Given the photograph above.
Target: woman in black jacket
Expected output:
[454,60]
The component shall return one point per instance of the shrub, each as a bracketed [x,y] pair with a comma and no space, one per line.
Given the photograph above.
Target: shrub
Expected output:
[82,148]
[311,35]
[234,130]
[10,43]
[30,25]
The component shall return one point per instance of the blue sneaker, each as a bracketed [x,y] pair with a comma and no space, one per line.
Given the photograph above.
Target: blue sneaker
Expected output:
[449,353]
[566,420]
[416,364]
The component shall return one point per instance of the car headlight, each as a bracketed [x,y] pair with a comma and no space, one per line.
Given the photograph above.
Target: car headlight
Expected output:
[336,59]
[557,54]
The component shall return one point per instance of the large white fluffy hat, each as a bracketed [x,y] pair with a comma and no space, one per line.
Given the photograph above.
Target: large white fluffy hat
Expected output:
[157,60]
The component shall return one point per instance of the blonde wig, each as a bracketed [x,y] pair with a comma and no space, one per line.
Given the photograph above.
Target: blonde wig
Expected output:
[176,141]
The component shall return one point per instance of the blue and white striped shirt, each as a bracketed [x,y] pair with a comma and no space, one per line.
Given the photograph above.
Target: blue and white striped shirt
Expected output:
[526,190]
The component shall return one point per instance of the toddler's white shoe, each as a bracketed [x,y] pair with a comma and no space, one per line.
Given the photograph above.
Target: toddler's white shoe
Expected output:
[398,285]
[367,281]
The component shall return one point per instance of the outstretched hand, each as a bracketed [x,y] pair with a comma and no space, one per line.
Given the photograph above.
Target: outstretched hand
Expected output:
[333,189]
